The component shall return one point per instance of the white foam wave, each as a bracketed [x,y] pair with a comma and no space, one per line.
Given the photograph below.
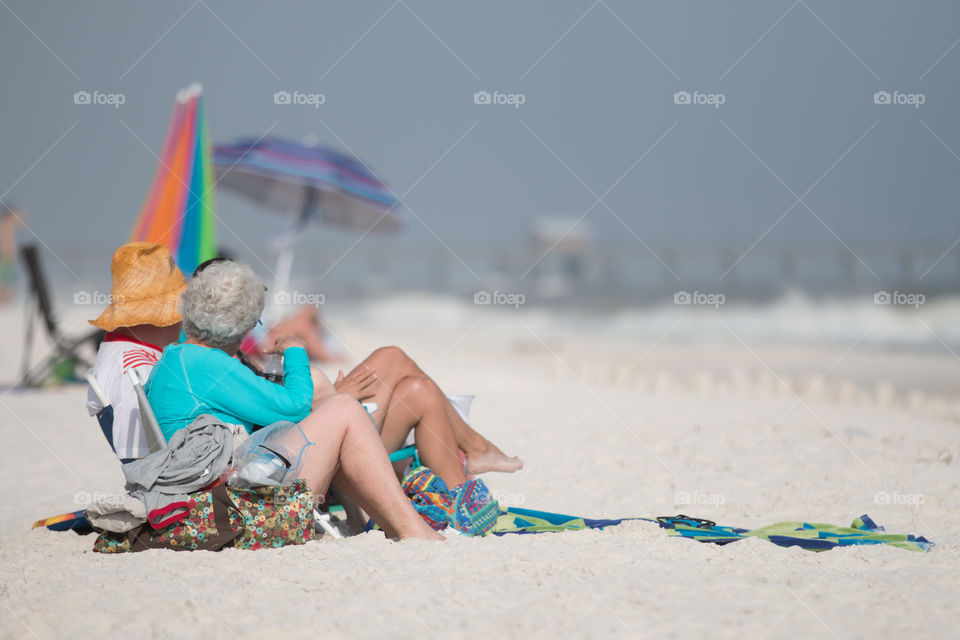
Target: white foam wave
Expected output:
[793,318]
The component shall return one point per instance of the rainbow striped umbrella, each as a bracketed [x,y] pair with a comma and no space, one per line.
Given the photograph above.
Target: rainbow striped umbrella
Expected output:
[179,209]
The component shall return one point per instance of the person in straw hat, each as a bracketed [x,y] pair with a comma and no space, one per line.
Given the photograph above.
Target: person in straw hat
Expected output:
[142,318]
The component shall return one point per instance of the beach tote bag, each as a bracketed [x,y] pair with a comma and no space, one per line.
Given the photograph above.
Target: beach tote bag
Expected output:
[223,517]
[274,516]
[469,507]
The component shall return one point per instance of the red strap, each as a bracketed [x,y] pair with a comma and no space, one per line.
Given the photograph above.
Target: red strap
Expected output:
[183,507]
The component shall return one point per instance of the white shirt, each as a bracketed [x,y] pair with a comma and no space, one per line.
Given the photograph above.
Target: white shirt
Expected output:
[116,356]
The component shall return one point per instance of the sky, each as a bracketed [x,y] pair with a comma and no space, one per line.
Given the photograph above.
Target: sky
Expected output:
[783,144]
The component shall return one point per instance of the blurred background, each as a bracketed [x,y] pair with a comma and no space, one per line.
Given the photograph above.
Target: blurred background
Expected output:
[788,169]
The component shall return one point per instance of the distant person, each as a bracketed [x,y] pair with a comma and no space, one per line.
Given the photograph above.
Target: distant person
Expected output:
[143,317]
[10,221]
[305,323]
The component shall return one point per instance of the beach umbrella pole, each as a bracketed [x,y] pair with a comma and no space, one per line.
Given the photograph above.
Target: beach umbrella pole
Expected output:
[281,282]
[287,244]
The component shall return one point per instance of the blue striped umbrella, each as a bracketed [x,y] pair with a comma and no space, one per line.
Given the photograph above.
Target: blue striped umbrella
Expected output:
[311,181]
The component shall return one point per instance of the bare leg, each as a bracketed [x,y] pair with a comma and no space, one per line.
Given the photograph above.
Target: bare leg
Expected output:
[393,365]
[482,455]
[346,446]
[417,404]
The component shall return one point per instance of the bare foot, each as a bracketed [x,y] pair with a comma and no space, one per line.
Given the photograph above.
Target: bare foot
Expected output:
[429,534]
[492,461]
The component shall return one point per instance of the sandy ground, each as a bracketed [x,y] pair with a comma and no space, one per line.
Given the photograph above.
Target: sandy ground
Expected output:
[742,434]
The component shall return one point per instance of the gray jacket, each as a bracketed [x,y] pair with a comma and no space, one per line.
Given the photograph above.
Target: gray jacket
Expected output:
[193,458]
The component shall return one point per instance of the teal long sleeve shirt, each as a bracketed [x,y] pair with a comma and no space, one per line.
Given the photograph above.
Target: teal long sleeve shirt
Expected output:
[190,380]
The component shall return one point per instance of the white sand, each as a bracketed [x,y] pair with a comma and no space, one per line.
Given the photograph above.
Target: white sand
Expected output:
[600,438]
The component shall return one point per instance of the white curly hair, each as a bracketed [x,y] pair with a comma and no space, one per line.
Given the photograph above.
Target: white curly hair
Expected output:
[222,303]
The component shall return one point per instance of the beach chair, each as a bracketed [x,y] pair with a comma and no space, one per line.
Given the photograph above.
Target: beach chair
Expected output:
[151,428]
[155,439]
[65,358]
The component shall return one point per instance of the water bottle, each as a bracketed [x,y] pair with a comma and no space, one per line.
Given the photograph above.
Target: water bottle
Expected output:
[273,368]
[259,468]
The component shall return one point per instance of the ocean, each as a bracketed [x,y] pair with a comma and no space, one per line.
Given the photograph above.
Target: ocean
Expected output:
[816,295]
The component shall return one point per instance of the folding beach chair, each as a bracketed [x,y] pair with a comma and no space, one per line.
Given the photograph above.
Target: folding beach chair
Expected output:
[151,428]
[65,358]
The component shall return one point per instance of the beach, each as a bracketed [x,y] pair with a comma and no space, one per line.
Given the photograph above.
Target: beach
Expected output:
[742,432]
[694,259]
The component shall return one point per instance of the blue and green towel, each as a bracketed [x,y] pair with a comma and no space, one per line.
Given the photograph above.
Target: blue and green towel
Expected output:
[814,536]
[470,508]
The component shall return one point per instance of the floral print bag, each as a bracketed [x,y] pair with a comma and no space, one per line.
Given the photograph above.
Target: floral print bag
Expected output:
[227,517]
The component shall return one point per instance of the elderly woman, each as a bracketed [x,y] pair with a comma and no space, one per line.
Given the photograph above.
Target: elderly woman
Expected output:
[408,400]
[201,376]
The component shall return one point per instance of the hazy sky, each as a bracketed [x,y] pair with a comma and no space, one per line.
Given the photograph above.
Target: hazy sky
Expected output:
[597,81]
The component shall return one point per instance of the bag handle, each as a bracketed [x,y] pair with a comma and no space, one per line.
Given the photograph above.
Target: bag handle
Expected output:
[142,538]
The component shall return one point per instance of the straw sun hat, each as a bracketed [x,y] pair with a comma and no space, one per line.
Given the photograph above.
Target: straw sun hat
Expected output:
[146,288]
